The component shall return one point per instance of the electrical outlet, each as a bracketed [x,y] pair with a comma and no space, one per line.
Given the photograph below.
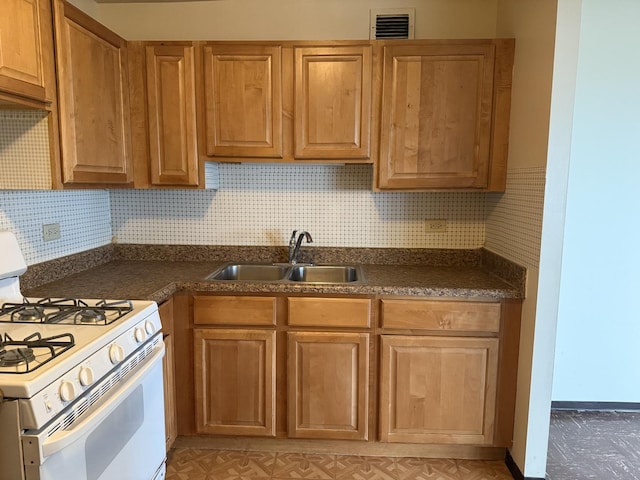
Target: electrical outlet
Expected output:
[51,231]
[439,225]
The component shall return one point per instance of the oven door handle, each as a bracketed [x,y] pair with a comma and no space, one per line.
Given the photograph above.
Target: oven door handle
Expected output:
[64,438]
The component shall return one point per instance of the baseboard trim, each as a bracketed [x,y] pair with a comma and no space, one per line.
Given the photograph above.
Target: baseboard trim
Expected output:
[515,470]
[620,406]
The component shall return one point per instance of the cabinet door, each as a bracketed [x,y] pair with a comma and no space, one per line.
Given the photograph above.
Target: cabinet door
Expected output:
[438,389]
[173,154]
[168,368]
[235,381]
[94,100]
[21,70]
[332,102]
[243,100]
[328,381]
[436,116]
[170,417]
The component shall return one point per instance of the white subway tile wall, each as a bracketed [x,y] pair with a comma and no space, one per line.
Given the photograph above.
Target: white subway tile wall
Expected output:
[24,150]
[514,219]
[261,204]
[84,217]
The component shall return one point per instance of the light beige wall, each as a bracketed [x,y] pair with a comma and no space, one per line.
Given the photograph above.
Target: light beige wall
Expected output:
[532,24]
[291,19]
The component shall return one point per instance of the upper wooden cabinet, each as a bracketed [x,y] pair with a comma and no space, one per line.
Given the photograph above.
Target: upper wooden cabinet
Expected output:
[25,34]
[332,102]
[445,115]
[243,100]
[93,100]
[286,102]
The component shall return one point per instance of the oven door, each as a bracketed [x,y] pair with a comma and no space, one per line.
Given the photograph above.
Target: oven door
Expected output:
[121,437]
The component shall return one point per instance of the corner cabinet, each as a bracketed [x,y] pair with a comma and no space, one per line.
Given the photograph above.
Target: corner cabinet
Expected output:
[445,115]
[93,100]
[287,102]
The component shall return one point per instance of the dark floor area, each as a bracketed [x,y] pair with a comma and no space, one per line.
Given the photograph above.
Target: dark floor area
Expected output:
[585,445]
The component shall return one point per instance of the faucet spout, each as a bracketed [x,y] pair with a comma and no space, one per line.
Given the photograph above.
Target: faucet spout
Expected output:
[296,243]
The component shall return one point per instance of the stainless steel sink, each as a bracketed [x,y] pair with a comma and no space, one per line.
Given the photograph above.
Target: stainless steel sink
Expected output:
[324,274]
[250,272]
[257,272]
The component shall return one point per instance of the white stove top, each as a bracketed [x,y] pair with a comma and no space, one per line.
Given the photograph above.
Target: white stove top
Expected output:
[87,339]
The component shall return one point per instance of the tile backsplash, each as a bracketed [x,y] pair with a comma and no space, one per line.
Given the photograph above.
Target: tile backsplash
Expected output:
[259,204]
[24,150]
[84,217]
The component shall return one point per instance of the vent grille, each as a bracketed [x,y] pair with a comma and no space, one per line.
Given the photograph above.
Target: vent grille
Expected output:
[395,23]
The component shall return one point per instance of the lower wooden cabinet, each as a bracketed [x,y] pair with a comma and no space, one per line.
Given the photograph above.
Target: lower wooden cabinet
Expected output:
[168,371]
[438,372]
[328,383]
[438,389]
[235,379]
[170,417]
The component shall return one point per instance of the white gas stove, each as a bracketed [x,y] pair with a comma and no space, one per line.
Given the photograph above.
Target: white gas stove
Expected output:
[69,373]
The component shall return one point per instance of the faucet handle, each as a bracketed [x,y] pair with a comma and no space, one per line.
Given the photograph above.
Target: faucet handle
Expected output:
[292,240]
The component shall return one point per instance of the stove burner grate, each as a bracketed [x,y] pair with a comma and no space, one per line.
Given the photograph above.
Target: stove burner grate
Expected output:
[66,310]
[23,357]
[15,357]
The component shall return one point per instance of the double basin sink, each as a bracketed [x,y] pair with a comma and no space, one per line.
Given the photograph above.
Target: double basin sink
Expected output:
[245,272]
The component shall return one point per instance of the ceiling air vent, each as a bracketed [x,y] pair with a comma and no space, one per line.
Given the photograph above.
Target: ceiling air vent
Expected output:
[392,23]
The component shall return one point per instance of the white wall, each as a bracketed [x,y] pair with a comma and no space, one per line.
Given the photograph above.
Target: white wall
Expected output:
[597,354]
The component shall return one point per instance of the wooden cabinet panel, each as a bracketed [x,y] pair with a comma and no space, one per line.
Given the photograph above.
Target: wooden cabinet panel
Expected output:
[329,312]
[94,100]
[243,100]
[235,381]
[332,102]
[440,315]
[170,413]
[173,154]
[438,389]
[328,382]
[436,116]
[168,369]
[21,69]
[234,310]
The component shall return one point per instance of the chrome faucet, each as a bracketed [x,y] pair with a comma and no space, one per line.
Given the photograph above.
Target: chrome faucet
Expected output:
[295,243]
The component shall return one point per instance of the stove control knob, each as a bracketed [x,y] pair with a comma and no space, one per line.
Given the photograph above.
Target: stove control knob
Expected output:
[140,335]
[149,327]
[85,376]
[67,391]
[116,353]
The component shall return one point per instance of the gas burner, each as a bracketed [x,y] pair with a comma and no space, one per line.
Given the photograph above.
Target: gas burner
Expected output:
[34,351]
[18,356]
[89,316]
[29,313]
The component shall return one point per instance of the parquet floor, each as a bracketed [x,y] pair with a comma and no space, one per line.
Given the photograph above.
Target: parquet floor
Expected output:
[588,445]
[199,464]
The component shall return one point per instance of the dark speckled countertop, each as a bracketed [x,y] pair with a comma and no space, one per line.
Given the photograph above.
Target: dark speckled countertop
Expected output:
[117,276]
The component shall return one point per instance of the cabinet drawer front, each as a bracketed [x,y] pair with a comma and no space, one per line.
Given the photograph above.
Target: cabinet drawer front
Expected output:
[439,315]
[234,310]
[329,312]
